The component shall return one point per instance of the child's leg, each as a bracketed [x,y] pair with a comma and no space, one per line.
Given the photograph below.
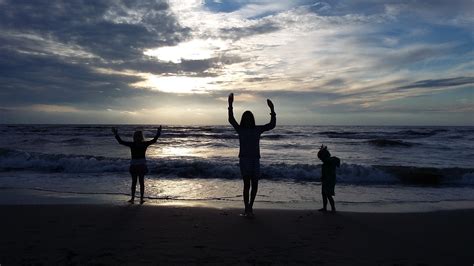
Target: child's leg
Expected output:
[133,188]
[246,192]
[253,193]
[331,201]
[141,179]
[325,202]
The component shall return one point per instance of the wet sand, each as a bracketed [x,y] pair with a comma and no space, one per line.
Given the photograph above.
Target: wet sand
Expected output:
[144,235]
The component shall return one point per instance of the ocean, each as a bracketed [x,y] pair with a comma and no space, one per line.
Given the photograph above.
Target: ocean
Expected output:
[383,167]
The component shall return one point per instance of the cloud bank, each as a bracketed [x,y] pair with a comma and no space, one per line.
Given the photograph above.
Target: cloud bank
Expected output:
[333,62]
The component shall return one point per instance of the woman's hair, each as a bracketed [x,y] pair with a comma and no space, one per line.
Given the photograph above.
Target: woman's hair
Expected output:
[247,120]
[323,153]
[138,136]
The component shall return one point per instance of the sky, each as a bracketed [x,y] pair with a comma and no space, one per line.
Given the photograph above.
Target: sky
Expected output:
[358,62]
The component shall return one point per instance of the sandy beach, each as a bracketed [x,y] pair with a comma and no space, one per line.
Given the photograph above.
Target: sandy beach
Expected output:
[144,235]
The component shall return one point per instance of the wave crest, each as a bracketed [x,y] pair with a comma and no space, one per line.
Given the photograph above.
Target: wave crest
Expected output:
[14,160]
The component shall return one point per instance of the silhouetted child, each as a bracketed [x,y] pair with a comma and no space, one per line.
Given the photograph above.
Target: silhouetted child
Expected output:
[328,177]
[249,155]
[138,167]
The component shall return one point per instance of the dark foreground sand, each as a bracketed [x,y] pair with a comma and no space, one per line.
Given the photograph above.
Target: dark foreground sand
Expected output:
[115,235]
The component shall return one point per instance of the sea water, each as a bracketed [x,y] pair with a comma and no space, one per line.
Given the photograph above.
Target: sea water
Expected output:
[383,168]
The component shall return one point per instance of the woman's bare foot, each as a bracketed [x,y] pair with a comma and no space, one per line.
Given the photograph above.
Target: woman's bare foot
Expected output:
[131,201]
[142,201]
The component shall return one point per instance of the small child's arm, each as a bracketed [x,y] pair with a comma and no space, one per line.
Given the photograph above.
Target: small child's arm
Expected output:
[158,134]
[272,123]
[119,140]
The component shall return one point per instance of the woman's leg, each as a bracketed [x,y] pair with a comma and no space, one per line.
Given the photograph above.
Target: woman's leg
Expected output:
[141,179]
[133,188]
[253,193]
[246,192]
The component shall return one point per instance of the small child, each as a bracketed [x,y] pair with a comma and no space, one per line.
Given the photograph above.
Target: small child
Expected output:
[328,177]
[138,168]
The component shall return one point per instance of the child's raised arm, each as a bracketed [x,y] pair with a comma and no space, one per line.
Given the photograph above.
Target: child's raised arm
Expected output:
[117,137]
[272,123]
[158,134]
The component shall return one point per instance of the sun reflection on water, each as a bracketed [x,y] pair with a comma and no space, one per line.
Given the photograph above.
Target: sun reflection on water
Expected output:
[179,151]
[192,192]
[186,151]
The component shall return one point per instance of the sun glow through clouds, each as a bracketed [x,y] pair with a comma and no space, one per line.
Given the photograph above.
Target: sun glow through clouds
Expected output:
[197,49]
[175,84]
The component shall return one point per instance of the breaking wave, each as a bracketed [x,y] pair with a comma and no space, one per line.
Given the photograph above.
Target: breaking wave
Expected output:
[15,160]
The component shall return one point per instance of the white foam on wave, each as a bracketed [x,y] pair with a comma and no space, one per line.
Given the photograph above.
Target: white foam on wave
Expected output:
[21,160]
[13,160]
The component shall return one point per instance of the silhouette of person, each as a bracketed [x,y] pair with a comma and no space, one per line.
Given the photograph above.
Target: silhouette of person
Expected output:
[249,154]
[328,177]
[138,168]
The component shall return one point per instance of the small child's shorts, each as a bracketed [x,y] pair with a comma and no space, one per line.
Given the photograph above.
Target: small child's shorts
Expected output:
[138,167]
[328,188]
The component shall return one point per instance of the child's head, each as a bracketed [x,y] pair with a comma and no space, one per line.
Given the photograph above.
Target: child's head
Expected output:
[247,120]
[323,153]
[138,136]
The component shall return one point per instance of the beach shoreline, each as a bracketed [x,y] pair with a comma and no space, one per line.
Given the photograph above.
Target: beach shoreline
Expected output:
[41,196]
[144,234]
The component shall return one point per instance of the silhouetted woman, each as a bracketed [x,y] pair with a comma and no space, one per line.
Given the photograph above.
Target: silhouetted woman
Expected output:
[138,168]
[249,154]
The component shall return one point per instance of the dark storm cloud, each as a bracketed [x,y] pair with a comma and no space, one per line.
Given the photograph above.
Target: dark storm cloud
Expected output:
[30,78]
[101,27]
[50,50]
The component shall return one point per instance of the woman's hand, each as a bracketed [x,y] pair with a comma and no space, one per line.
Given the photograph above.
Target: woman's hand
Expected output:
[115,131]
[231,99]
[270,104]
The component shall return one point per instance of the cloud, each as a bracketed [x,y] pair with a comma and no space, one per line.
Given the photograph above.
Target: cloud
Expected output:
[236,33]
[51,55]
[446,109]
[109,29]
[53,108]
[313,56]
[30,78]
[437,83]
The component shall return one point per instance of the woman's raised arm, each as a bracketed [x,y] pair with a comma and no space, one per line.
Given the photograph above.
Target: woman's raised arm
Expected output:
[231,112]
